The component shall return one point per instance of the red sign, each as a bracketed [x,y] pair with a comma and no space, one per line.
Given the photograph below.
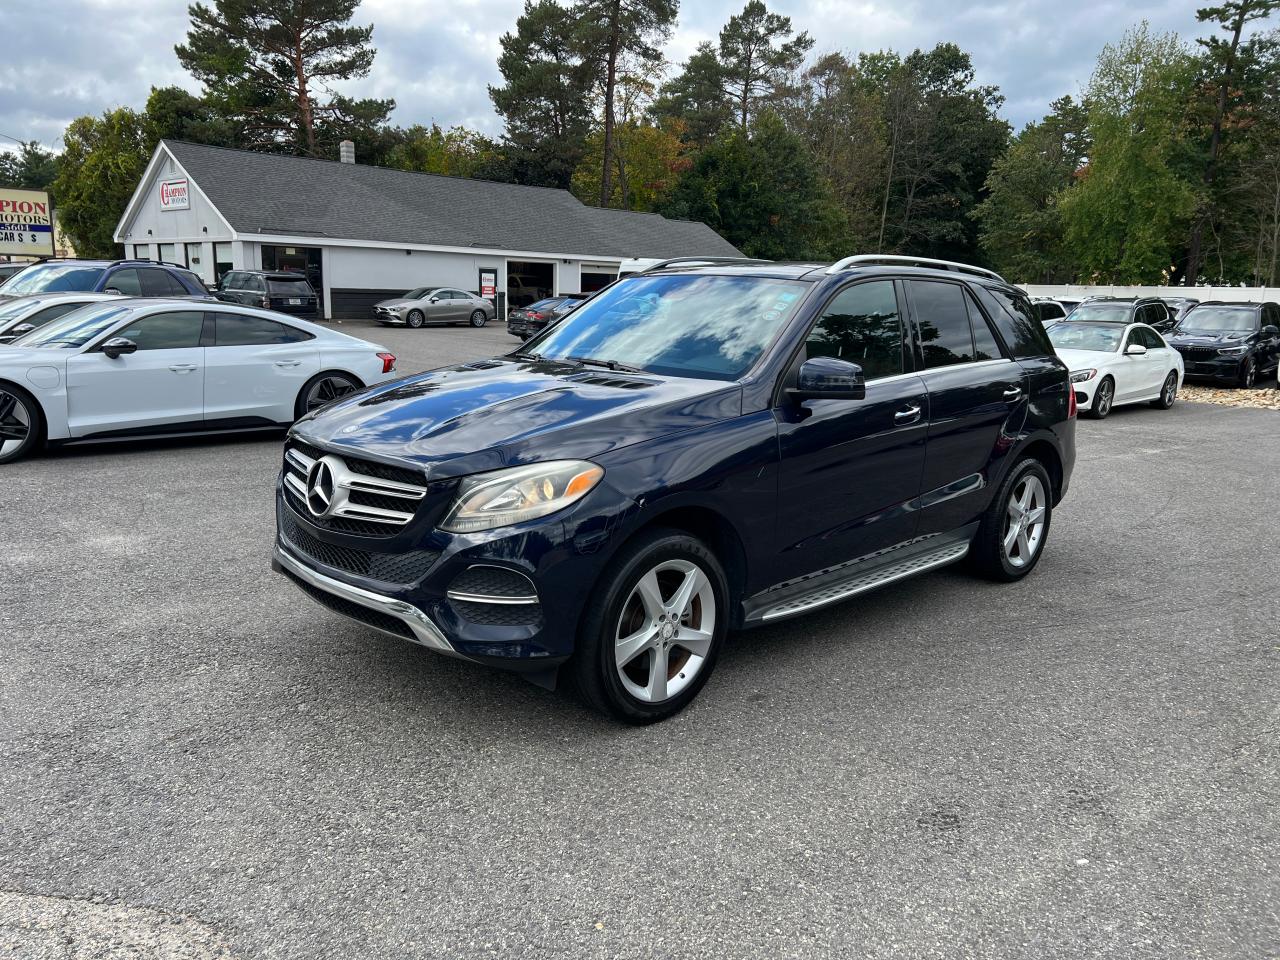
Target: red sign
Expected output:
[489,283]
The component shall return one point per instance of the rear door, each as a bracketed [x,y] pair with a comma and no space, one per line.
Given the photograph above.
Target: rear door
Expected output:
[161,384]
[255,367]
[849,470]
[977,404]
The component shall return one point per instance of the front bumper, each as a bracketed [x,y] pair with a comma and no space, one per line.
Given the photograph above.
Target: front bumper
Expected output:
[387,316]
[1226,369]
[1084,391]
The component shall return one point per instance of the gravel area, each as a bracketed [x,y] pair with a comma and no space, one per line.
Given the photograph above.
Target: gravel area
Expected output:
[1264,398]
[196,761]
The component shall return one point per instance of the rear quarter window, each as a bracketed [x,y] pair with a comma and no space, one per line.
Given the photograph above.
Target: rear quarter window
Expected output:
[1014,317]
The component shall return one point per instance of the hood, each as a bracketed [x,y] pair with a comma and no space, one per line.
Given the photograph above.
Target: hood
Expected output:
[498,413]
[394,303]
[1208,339]
[1085,359]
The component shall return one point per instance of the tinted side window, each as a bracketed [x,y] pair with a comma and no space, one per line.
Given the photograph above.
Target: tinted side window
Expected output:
[1152,339]
[165,331]
[943,317]
[985,345]
[235,330]
[861,325]
[41,317]
[158,283]
[1017,323]
[1271,315]
[126,281]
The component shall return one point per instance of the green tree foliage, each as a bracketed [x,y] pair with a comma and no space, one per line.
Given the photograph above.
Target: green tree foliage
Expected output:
[175,114]
[1127,217]
[268,66]
[1021,228]
[456,152]
[546,98]
[757,53]
[696,98]
[619,36]
[30,167]
[102,161]
[762,190]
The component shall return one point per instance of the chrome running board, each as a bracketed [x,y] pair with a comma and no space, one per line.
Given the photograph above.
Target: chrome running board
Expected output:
[870,580]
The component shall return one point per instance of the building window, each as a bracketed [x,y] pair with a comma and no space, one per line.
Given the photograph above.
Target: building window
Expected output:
[169,253]
[221,261]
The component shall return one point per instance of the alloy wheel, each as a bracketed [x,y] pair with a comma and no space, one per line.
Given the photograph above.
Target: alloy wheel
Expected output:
[1024,521]
[1106,393]
[665,630]
[478,319]
[326,390]
[415,318]
[1170,390]
[1250,374]
[15,422]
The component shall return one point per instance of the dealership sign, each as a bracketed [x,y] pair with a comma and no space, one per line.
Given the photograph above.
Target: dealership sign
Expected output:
[26,223]
[174,194]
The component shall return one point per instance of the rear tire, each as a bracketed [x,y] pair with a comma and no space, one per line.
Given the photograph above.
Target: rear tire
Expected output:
[479,318]
[322,390]
[1103,399]
[21,423]
[1011,538]
[415,319]
[1168,392]
[649,637]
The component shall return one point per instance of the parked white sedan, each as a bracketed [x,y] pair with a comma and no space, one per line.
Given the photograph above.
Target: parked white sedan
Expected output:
[1117,363]
[128,367]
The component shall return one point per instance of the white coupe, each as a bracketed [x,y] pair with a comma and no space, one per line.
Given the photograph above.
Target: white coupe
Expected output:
[21,315]
[1117,363]
[128,367]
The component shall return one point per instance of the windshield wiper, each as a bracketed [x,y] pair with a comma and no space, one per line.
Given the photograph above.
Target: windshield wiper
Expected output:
[608,364]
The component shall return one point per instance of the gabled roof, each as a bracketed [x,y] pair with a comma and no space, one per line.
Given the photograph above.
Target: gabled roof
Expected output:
[270,194]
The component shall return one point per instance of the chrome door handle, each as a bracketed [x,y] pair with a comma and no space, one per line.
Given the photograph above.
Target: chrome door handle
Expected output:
[182,367]
[909,415]
[287,363]
[1013,393]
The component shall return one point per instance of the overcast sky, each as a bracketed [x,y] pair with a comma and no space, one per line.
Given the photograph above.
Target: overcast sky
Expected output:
[435,57]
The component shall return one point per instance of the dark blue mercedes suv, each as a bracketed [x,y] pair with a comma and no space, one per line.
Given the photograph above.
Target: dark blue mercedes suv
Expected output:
[700,448]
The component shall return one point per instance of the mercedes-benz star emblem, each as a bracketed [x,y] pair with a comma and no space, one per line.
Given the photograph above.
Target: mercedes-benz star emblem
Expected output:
[320,488]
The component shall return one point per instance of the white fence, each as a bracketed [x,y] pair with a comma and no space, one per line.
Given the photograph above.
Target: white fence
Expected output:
[1080,291]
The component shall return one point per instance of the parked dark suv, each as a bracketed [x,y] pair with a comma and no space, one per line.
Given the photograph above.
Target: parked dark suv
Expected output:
[693,450]
[280,290]
[131,278]
[1152,311]
[1230,342]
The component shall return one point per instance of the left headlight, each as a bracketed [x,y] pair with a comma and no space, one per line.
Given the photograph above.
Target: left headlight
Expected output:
[504,497]
[1080,376]
[1233,351]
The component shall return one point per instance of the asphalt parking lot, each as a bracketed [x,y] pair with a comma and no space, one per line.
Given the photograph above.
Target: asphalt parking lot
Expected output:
[197,761]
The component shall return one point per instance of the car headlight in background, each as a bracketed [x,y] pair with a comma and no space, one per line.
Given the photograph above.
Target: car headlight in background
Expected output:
[504,497]
[1234,351]
[1080,376]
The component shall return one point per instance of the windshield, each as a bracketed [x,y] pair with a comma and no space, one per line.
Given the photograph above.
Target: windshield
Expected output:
[544,304]
[1101,311]
[1220,320]
[417,293]
[16,308]
[687,326]
[76,328]
[54,276]
[1070,335]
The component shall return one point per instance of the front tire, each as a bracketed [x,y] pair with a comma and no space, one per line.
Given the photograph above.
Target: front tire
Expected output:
[322,390]
[1012,535]
[1249,374]
[649,640]
[415,319]
[479,318]
[1103,399]
[21,423]
[1168,392]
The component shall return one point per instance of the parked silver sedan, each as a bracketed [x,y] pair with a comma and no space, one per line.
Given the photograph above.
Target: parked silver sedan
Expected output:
[434,305]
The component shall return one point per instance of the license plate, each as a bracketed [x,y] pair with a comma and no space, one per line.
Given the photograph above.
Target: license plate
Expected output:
[295,301]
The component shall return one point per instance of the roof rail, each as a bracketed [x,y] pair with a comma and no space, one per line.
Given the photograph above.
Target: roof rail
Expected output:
[873,258]
[702,261]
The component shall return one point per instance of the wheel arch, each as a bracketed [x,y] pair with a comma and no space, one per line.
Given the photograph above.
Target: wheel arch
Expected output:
[1043,450]
[43,415]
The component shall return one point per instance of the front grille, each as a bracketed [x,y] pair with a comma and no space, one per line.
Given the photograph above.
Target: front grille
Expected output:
[367,498]
[403,568]
[1198,353]
[372,618]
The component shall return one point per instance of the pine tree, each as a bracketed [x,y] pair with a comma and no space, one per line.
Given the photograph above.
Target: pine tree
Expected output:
[757,52]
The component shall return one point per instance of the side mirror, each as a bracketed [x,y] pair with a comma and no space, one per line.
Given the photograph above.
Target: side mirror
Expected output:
[115,290]
[20,330]
[116,346]
[826,378]
[1135,350]
[434,300]
[1271,330]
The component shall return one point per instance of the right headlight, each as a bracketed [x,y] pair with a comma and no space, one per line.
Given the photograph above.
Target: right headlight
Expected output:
[504,497]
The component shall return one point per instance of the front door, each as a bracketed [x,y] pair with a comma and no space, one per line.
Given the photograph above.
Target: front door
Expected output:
[977,405]
[850,469]
[255,368]
[160,384]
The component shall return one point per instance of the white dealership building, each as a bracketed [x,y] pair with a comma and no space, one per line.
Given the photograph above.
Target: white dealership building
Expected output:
[364,233]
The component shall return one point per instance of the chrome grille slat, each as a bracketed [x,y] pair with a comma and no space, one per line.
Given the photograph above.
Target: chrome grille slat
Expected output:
[351,480]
